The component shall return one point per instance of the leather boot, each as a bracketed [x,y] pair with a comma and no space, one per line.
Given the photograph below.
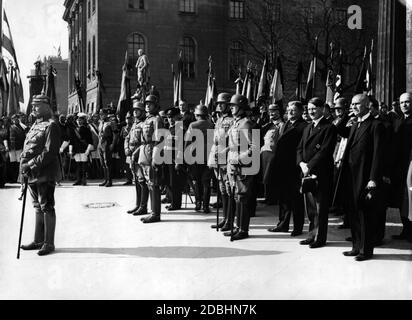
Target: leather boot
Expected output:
[231,210]
[224,199]
[105,177]
[78,174]
[206,197]
[50,226]
[38,233]
[155,200]
[144,196]
[84,173]
[244,217]
[142,211]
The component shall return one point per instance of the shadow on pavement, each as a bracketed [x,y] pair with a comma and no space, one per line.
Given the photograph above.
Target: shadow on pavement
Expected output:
[173,252]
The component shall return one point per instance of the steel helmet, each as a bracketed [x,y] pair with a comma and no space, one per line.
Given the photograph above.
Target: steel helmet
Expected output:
[240,101]
[201,110]
[138,105]
[151,98]
[223,97]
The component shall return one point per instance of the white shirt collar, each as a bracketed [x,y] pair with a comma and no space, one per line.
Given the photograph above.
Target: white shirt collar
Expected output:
[316,122]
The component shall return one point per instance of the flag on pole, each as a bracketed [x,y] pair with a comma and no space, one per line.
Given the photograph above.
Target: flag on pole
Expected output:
[362,85]
[13,105]
[8,45]
[51,88]
[339,78]
[239,83]
[211,91]
[276,89]
[178,81]
[300,82]
[124,103]
[369,73]
[329,88]
[311,83]
[262,92]
[246,82]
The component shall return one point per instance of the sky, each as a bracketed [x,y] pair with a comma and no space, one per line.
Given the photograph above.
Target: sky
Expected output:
[38,29]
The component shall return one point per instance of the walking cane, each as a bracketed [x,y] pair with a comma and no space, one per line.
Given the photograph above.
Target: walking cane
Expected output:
[218,187]
[337,185]
[26,183]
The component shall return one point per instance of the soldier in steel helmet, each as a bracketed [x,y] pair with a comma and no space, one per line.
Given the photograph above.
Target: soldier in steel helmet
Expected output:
[40,165]
[132,144]
[149,152]
[241,147]
[199,171]
[218,155]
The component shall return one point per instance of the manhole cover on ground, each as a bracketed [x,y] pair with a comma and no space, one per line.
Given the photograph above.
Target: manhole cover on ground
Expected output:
[101,205]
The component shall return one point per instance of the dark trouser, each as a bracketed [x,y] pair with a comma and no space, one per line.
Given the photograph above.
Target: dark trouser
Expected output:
[243,193]
[81,172]
[363,222]
[292,206]
[202,175]
[43,202]
[318,211]
[176,185]
[142,191]
[151,178]
[107,164]
[252,198]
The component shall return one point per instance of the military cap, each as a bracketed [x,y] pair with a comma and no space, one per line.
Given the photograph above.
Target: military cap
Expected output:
[201,110]
[172,112]
[40,99]
[82,115]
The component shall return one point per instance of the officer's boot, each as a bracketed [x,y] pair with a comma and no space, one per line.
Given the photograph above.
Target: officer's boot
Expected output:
[206,197]
[155,195]
[244,221]
[49,227]
[198,195]
[78,174]
[138,197]
[84,173]
[144,197]
[38,233]
[225,201]
[109,176]
[105,177]
[231,219]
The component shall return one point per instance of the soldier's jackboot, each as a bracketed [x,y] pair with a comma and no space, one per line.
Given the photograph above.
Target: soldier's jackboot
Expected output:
[78,181]
[138,198]
[49,228]
[225,202]
[206,198]
[105,177]
[244,220]
[231,210]
[84,173]
[38,233]
[109,178]
[155,205]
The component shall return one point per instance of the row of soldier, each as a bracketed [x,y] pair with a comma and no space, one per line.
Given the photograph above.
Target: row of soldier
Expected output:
[292,149]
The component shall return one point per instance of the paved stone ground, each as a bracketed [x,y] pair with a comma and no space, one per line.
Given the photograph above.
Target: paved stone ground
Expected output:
[107,254]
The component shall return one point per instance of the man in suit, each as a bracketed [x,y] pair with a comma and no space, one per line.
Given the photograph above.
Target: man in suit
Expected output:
[315,158]
[40,165]
[200,172]
[287,174]
[362,172]
[403,148]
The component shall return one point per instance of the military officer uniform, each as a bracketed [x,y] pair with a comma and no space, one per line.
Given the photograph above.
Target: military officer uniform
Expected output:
[241,175]
[218,157]
[176,177]
[199,171]
[106,148]
[132,145]
[40,165]
[149,153]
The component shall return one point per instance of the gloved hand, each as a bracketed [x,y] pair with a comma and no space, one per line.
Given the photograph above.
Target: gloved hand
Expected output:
[25,170]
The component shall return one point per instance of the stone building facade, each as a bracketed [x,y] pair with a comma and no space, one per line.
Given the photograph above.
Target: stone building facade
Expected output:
[101,31]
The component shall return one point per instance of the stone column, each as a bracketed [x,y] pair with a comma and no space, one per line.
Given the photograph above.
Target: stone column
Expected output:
[385,34]
[409,46]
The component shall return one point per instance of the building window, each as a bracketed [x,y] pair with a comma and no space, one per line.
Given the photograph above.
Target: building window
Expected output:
[89,57]
[93,6]
[236,59]
[89,10]
[187,6]
[188,47]
[308,14]
[136,4]
[135,41]
[237,9]
[94,53]
[341,16]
